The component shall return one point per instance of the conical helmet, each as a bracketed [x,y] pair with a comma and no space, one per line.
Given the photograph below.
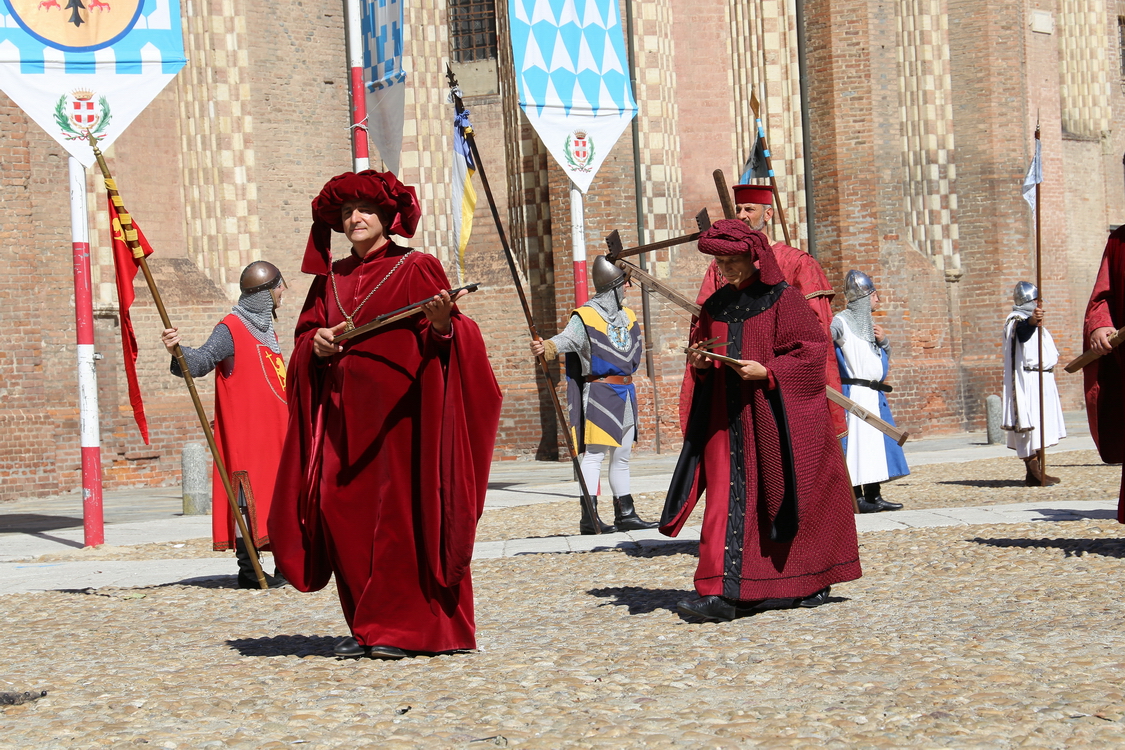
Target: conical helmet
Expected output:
[606,275]
[258,276]
[857,284]
[1024,292]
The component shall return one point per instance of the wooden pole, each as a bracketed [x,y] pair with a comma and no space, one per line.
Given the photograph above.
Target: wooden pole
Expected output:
[139,255]
[1039,333]
[470,138]
[769,166]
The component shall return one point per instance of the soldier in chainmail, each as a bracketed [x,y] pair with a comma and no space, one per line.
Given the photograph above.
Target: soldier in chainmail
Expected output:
[603,349]
[863,355]
[250,408]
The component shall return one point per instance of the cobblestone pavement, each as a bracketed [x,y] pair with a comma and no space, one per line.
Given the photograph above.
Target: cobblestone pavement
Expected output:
[998,635]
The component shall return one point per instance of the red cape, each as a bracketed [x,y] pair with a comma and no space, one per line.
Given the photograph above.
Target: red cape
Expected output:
[1104,378]
[788,512]
[804,274]
[386,459]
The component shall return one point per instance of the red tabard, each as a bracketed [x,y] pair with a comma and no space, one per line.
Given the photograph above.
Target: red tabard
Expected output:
[387,457]
[250,422]
[1104,378]
[778,519]
[804,274]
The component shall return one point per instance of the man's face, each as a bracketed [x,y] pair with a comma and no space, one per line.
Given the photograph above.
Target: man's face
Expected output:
[363,224]
[754,215]
[874,301]
[736,268]
[277,293]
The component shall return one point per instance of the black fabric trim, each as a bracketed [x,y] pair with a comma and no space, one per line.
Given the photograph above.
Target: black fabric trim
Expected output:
[732,306]
[691,454]
[736,502]
[784,527]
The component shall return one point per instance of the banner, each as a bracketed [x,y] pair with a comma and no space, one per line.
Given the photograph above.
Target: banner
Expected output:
[570,59]
[384,77]
[87,65]
[1034,175]
[464,195]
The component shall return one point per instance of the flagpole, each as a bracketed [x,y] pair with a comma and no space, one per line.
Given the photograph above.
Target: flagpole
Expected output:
[130,234]
[353,33]
[1039,333]
[769,166]
[470,138]
[578,244]
[93,522]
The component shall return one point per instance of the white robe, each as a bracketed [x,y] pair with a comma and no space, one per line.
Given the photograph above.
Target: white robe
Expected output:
[1021,390]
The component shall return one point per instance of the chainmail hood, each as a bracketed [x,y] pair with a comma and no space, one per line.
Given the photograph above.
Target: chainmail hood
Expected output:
[609,305]
[858,317]
[1025,310]
[256,311]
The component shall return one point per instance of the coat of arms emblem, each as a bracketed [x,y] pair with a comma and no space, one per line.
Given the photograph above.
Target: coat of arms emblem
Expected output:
[76,115]
[579,150]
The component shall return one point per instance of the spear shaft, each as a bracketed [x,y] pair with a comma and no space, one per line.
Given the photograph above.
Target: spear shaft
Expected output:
[769,166]
[130,234]
[1039,337]
[470,138]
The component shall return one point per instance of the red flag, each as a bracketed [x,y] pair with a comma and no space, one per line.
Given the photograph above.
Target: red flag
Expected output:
[126,266]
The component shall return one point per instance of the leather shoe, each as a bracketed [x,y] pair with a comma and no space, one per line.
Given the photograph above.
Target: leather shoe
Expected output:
[585,526]
[385,652]
[815,600]
[716,608]
[885,504]
[625,516]
[866,507]
[349,648]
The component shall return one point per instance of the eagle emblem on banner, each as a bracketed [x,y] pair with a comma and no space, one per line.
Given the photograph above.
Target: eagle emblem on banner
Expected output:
[76,24]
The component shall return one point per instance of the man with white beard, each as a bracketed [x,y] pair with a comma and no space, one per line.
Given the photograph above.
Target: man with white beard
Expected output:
[1021,384]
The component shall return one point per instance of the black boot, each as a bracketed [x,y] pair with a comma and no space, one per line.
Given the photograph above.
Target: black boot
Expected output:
[873,494]
[586,526]
[247,579]
[862,504]
[625,516]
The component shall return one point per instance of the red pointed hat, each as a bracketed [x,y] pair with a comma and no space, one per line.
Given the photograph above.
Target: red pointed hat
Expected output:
[762,194]
[732,237]
[395,200]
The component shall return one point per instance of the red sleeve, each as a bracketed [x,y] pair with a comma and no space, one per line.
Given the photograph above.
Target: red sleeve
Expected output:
[1097,311]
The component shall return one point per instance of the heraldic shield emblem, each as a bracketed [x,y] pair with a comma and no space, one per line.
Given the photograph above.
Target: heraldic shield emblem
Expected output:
[76,25]
[579,150]
[76,114]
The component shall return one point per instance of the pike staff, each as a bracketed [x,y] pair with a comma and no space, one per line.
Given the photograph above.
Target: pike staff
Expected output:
[130,234]
[1039,304]
[769,166]
[470,138]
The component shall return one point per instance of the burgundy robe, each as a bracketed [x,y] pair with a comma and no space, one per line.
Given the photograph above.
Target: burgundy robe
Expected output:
[778,520]
[386,458]
[802,272]
[1105,377]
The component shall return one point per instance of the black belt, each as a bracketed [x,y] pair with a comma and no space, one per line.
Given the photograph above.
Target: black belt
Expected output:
[1027,368]
[872,384]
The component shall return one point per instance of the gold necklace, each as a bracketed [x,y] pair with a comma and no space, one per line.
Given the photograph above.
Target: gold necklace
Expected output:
[350,324]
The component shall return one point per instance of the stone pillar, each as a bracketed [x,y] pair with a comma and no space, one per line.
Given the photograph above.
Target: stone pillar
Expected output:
[195,470]
[995,434]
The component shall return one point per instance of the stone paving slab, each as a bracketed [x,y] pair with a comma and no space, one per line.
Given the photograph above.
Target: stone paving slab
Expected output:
[16,546]
[75,576]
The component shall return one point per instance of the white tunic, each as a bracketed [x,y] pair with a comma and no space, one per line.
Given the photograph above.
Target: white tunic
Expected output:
[1021,390]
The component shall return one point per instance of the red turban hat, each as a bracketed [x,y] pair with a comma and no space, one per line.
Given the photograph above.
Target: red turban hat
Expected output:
[732,237]
[761,194]
[397,203]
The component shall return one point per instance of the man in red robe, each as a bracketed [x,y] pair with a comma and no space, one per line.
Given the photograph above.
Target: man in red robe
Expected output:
[754,207]
[390,436]
[1105,376]
[250,410]
[778,522]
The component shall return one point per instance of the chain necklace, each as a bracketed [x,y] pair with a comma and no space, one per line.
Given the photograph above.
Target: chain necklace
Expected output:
[350,324]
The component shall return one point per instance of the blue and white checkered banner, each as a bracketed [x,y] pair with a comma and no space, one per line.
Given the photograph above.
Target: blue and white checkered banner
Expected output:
[384,77]
[570,65]
[78,66]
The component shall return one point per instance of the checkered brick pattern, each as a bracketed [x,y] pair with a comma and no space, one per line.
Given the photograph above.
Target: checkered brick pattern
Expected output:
[926,107]
[1084,66]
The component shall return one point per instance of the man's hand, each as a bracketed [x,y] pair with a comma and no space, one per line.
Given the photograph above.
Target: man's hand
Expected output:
[537,347]
[1099,339]
[751,370]
[1037,317]
[170,337]
[697,360]
[880,337]
[439,309]
[324,341]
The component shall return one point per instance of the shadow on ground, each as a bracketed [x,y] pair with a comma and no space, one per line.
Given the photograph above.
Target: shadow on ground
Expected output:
[1070,547]
[27,523]
[286,645]
[640,600]
[661,548]
[986,482]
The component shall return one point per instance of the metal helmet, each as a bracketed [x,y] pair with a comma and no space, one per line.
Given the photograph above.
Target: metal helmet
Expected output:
[258,276]
[857,285]
[606,275]
[1024,292]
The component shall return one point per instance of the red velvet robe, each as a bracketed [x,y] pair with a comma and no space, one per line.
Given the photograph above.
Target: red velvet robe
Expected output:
[1105,377]
[778,521]
[802,272]
[387,457]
